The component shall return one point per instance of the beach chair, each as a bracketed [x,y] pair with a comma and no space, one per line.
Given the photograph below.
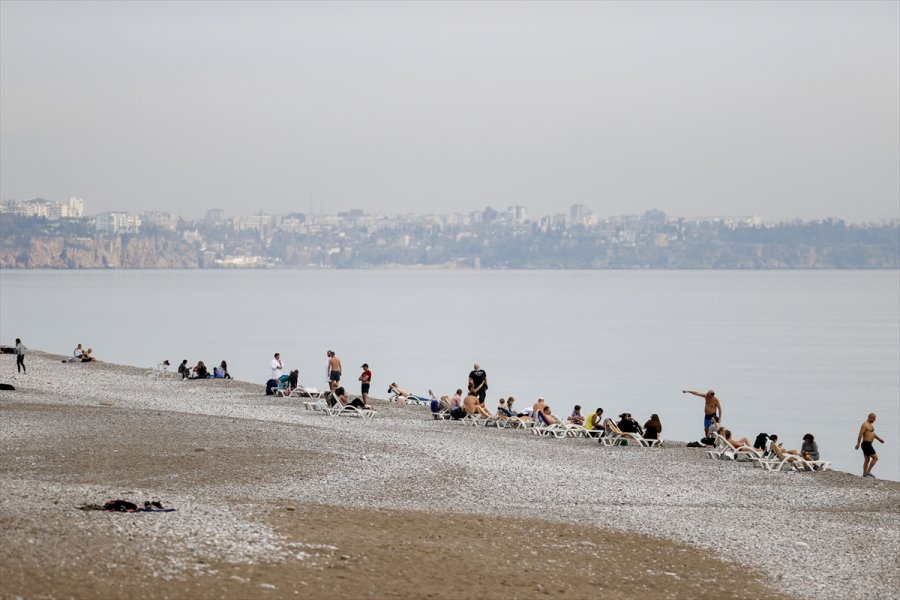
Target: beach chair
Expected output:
[616,437]
[558,430]
[334,408]
[780,459]
[302,391]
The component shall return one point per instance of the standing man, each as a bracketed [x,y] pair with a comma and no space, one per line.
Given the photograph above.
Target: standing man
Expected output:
[366,380]
[334,370]
[478,384]
[277,367]
[713,408]
[867,436]
[20,356]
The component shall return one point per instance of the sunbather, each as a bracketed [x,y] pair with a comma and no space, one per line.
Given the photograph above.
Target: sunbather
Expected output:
[184,370]
[726,433]
[405,394]
[576,418]
[473,407]
[537,407]
[88,355]
[545,417]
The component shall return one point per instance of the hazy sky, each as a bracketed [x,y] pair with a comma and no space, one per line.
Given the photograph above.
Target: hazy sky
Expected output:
[777,109]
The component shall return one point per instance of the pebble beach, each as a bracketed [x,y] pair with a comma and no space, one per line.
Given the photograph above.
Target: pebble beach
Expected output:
[274,500]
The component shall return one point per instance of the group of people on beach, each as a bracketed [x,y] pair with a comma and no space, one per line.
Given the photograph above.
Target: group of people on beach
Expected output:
[279,382]
[473,403]
[809,449]
[200,370]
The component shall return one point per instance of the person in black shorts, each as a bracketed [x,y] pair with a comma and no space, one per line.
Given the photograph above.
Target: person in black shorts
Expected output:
[365,381]
[864,440]
[478,385]
[334,370]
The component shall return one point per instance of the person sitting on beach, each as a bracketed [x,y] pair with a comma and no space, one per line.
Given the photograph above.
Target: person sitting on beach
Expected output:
[200,371]
[77,354]
[503,412]
[451,402]
[473,407]
[627,424]
[184,370]
[596,420]
[223,369]
[341,395]
[576,418]
[88,355]
[809,450]
[653,427]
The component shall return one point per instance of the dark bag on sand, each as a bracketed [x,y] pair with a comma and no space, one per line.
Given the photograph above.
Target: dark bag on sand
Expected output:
[457,413]
[271,386]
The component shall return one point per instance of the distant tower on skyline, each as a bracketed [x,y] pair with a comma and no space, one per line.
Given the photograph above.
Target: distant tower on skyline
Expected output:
[214,217]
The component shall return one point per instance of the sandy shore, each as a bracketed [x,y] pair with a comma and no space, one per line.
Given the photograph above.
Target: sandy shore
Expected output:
[276,501]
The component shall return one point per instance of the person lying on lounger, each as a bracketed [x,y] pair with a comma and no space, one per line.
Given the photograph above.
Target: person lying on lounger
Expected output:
[726,433]
[545,417]
[405,394]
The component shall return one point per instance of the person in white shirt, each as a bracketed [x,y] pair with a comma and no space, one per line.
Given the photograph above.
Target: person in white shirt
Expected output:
[277,367]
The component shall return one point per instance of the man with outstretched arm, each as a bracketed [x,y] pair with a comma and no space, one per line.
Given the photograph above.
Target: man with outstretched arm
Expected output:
[865,438]
[713,408]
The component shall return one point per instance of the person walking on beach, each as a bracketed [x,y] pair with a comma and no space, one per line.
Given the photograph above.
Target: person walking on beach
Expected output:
[277,367]
[712,408]
[478,384]
[20,356]
[365,381]
[334,370]
[865,438]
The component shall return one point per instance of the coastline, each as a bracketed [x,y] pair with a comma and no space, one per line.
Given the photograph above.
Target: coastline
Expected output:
[254,479]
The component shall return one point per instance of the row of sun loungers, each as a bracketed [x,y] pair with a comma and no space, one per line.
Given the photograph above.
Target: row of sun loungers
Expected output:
[610,435]
[773,460]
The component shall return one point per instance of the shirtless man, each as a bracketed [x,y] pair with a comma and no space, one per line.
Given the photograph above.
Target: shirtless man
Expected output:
[865,438]
[713,408]
[473,407]
[334,370]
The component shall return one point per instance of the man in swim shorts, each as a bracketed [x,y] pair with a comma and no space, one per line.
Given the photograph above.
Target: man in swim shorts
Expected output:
[864,440]
[334,370]
[712,408]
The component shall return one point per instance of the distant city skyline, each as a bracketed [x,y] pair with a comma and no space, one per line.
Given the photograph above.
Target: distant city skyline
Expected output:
[787,110]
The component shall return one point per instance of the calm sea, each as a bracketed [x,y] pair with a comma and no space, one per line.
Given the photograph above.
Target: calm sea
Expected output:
[788,352]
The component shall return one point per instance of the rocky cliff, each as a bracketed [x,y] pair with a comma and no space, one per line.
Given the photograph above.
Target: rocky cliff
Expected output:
[104,252]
